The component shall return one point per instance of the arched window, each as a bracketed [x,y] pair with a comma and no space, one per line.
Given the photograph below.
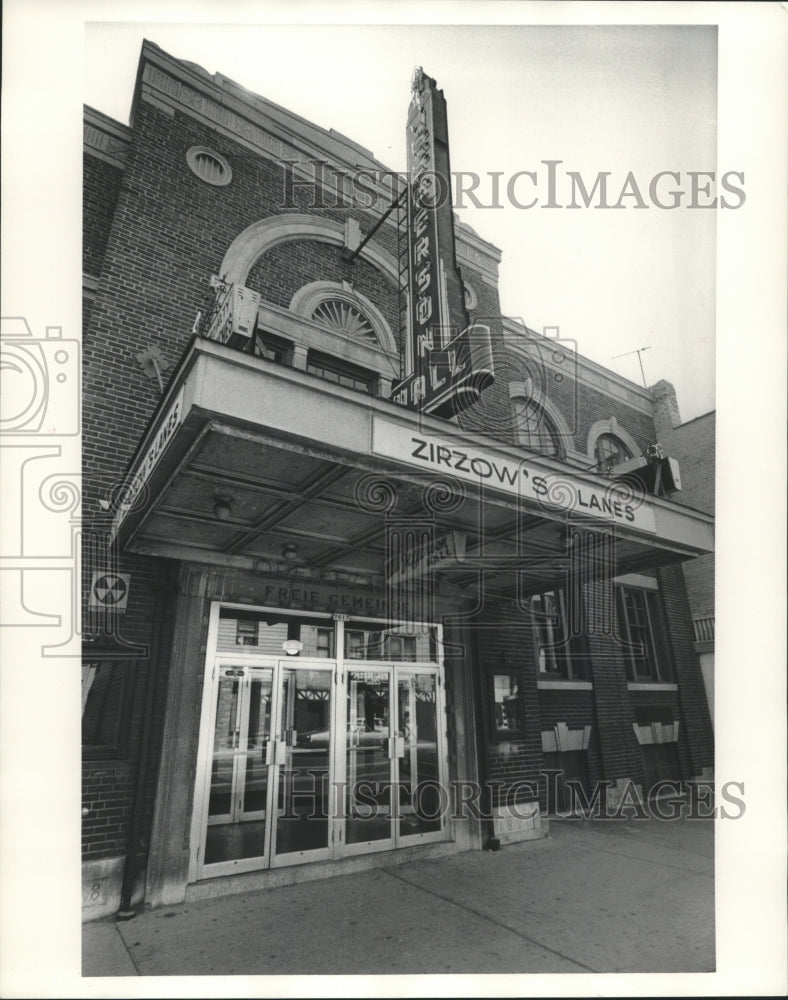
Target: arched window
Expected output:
[340,309]
[535,430]
[346,318]
[610,450]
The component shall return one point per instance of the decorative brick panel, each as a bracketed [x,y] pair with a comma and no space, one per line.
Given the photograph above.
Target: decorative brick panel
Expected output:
[620,754]
[576,709]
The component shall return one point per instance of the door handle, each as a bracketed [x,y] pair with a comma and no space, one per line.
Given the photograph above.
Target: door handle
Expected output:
[275,752]
[396,746]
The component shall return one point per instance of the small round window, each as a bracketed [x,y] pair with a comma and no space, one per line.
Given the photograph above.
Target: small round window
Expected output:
[209,166]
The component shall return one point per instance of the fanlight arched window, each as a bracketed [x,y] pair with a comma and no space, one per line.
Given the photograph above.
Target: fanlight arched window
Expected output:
[345,318]
[610,450]
[535,430]
[340,309]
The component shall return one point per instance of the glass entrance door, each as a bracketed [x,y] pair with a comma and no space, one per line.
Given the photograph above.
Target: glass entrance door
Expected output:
[239,778]
[306,758]
[303,758]
[393,764]
[268,791]
[368,761]
[422,800]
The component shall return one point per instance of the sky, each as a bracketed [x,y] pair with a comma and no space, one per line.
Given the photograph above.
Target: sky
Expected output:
[627,100]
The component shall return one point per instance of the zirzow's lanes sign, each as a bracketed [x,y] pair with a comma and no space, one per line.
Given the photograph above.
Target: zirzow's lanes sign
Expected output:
[551,491]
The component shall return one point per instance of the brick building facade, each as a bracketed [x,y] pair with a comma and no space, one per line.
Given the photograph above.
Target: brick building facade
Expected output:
[693,442]
[254,499]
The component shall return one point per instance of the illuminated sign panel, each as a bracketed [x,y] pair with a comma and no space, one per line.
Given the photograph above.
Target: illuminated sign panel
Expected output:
[522,478]
[449,362]
[438,553]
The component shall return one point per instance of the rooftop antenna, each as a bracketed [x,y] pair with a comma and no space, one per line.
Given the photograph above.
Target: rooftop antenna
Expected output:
[639,351]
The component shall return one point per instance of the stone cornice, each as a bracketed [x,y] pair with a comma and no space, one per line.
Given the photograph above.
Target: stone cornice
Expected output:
[105,138]
[277,134]
[253,121]
[589,372]
[478,253]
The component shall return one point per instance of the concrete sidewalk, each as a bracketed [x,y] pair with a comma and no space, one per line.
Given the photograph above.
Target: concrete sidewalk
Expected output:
[599,896]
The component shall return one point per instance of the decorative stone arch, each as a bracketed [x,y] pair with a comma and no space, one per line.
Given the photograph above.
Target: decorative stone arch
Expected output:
[307,299]
[266,234]
[566,441]
[519,390]
[611,426]
[469,293]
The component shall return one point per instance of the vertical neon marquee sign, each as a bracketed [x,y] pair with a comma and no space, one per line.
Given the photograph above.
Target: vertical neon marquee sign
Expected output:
[448,362]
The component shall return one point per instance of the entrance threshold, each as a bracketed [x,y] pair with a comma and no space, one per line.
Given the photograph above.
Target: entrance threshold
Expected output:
[230,885]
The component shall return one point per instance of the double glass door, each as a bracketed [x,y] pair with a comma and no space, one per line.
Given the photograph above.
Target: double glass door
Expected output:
[392,757]
[307,760]
[268,786]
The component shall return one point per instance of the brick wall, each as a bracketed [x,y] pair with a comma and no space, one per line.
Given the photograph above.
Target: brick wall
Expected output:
[100,187]
[279,274]
[620,753]
[696,738]
[504,641]
[108,783]
[693,444]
